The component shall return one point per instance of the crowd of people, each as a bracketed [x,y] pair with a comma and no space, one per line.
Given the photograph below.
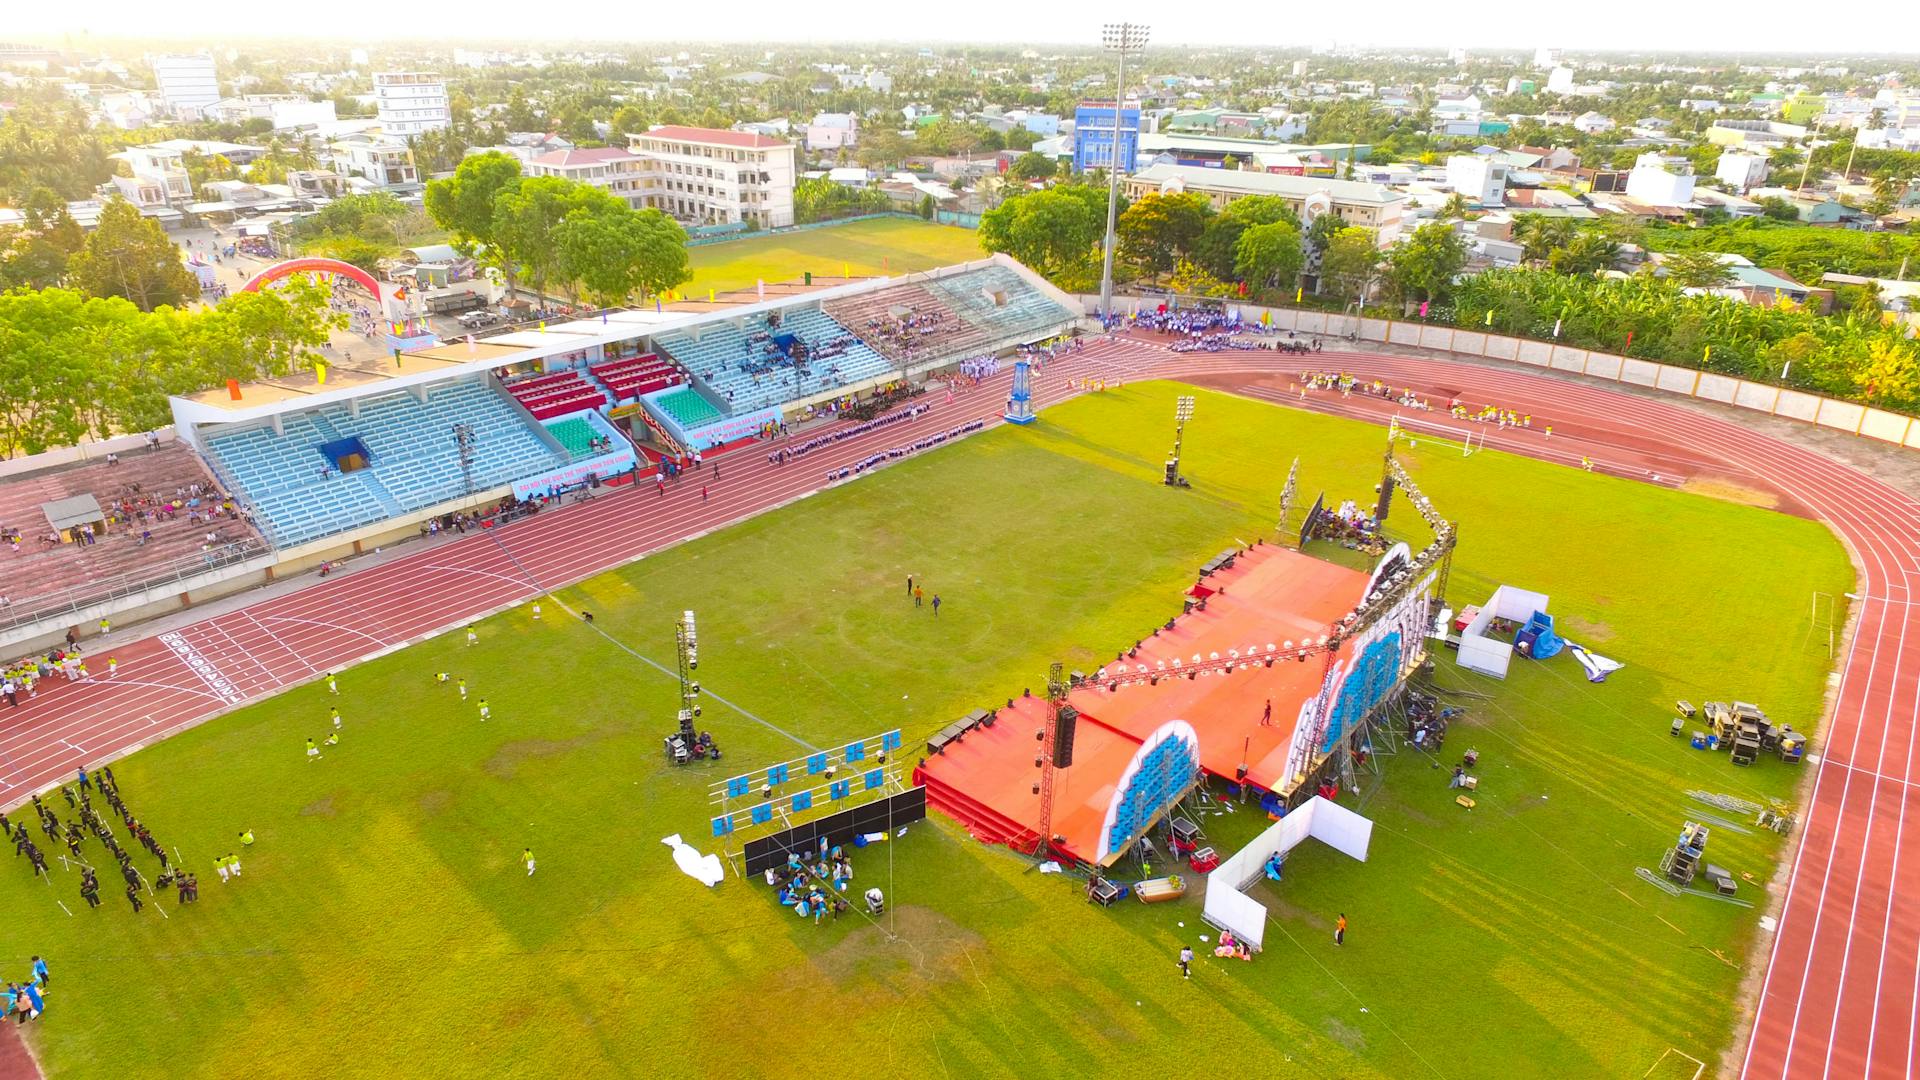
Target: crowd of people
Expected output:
[814,882]
[874,461]
[786,454]
[904,336]
[1171,320]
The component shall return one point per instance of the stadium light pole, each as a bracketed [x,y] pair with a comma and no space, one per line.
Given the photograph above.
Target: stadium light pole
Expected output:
[1120,39]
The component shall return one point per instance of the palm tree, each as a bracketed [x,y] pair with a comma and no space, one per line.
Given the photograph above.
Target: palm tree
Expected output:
[1589,252]
[1456,206]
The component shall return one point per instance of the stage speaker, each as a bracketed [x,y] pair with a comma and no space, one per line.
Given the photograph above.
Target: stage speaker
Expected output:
[1386,500]
[1063,729]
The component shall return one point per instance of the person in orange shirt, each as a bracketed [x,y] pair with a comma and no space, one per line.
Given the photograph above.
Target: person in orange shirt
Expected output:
[1340,930]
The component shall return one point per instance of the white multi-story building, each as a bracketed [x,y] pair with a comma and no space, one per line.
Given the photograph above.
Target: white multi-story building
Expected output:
[283,110]
[384,161]
[615,171]
[1651,183]
[1482,180]
[187,82]
[411,102]
[1741,171]
[709,176]
[159,176]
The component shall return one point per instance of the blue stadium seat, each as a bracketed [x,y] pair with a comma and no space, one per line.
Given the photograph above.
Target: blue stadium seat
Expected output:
[414,458]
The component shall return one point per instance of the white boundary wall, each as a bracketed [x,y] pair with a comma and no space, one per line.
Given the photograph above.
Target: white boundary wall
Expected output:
[1229,908]
[1869,423]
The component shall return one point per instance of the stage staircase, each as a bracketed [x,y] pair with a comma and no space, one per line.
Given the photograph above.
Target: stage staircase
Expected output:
[982,822]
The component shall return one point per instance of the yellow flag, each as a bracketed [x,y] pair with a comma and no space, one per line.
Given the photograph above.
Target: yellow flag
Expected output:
[1707,354]
[1489,316]
[320,372]
[543,324]
[1299,291]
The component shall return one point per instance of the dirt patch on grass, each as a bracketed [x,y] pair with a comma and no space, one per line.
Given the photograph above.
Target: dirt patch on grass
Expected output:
[930,948]
[507,760]
[1728,491]
[1586,629]
[1345,1034]
[319,808]
[435,803]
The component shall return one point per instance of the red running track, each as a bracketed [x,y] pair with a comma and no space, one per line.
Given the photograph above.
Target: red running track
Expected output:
[1850,899]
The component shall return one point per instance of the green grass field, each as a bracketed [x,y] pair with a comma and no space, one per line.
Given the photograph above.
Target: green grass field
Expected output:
[864,248]
[384,926]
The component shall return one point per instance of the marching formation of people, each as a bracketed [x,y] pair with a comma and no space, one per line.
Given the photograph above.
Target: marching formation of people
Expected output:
[873,461]
[89,821]
[782,456]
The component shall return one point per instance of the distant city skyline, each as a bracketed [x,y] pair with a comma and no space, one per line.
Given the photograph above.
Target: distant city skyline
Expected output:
[1631,25]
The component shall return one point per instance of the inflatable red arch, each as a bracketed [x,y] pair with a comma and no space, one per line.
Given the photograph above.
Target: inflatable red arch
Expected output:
[312,266]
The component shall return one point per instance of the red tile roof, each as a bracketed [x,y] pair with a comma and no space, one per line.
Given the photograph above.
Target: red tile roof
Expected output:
[716,136]
[597,156]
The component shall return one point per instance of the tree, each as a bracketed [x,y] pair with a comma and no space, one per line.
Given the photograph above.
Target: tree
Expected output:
[1589,252]
[1350,262]
[463,204]
[1424,265]
[1455,208]
[1160,229]
[1539,235]
[35,254]
[131,256]
[49,143]
[1021,139]
[609,251]
[1031,166]
[1697,270]
[1779,209]
[1269,255]
[1054,231]
[628,120]
[526,215]
[1216,248]
[926,207]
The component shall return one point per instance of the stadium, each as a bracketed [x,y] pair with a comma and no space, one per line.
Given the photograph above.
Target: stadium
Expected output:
[480,567]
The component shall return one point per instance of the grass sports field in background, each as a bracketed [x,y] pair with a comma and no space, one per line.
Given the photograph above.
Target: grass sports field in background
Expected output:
[867,248]
[385,926]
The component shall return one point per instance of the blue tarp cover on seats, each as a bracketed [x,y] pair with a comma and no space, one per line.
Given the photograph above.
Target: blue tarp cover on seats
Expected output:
[340,449]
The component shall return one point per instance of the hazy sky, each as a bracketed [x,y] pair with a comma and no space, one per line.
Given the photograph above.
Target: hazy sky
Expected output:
[1624,24]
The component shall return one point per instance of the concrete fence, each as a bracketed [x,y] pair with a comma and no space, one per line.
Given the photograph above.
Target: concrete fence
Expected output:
[1852,417]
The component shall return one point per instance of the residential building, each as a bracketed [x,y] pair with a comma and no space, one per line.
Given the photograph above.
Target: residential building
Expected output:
[187,82]
[411,102]
[1094,136]
[1553,158]
[1465,107]
[379,159]
[1560,81]
[831,131]
[1546,57]
[612,169]
[1368,206]
[283,110]
[1481,180]
[1732,205]
[1045,125]
[707,176]
[1813,208]
[1741,171]
[159,176]
[1652,184]
[879,82]
[1593,122]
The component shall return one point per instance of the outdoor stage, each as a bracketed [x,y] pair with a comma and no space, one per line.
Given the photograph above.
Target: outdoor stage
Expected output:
[1271,608]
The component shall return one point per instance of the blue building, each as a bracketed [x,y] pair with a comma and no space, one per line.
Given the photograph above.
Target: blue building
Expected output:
[1093,137]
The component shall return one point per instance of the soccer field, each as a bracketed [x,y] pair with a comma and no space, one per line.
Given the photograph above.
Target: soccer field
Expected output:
[385,926]
[866,248]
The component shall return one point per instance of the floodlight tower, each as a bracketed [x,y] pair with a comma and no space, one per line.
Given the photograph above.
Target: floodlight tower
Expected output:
[1047,758]
[1120,39]
[463,437]
[687,645]
[1182,412]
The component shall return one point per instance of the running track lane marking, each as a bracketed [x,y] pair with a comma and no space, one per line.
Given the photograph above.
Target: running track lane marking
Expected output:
[209,673]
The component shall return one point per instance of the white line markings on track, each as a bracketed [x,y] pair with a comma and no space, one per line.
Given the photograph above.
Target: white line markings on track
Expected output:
[209,672]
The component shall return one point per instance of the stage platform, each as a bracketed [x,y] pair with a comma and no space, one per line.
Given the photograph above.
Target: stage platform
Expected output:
[1270,596]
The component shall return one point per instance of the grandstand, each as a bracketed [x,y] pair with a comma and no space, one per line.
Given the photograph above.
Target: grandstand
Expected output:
[412,459]
[141,533]
[930,318]
[771,357]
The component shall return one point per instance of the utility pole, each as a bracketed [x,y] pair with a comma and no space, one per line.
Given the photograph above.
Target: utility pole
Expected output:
[1120,39]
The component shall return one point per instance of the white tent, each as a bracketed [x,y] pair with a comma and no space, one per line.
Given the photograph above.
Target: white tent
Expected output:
[1231,909]
[1490,656]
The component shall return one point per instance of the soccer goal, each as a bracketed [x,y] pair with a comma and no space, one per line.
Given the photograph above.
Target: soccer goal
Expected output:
[1415,430]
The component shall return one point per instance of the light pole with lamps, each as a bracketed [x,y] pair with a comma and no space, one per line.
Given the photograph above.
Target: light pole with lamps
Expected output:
[1120,39]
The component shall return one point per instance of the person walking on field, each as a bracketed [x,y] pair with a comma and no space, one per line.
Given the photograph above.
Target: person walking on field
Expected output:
[909,584]
[484,711]
[336,718]
[1186,961]
[462,683]
[527,857]
[1340,930]
[473,638]
[333,687]
[917,593]
[936,605]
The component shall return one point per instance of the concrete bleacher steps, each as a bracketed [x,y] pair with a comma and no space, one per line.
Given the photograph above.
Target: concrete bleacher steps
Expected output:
[981,309]
[414,458]
[687,408]
[37,570]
